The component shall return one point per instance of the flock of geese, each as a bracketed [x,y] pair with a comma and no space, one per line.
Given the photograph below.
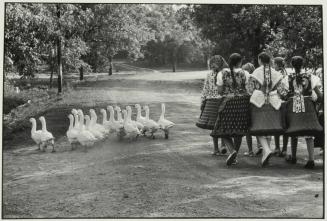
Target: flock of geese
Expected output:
[84,129]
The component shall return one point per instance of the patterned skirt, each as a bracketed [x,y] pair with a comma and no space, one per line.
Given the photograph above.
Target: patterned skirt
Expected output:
[209,114]
[303,123]
[266,121]
[233,117]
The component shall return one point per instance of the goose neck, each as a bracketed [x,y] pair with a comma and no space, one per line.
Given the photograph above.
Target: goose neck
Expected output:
[44,125]
[104,113]
[33,126]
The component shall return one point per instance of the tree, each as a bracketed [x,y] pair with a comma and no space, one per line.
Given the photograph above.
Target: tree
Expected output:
[115,28]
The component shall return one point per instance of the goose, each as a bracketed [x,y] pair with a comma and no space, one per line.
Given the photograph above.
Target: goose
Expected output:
[150,124]
[95,126]
[105,121]
[119,117]
[164,124]
[72,131]
[141,119]
[36,134]
[129,115]
[84,137]
[130,129]
[88,126]
[115,126]
[46,137]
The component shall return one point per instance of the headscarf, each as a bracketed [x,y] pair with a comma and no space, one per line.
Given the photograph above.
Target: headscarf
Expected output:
[217,63]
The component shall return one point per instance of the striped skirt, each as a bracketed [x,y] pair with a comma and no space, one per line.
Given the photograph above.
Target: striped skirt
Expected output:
[209,114]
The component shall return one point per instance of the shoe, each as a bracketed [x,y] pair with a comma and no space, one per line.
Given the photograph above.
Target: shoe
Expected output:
[217,153]
[224,150]
[231,158]
[290,159]
[277,152]
[250,154]
[235,162]
[259,151]
[310,164]
[282,154]
[265,159]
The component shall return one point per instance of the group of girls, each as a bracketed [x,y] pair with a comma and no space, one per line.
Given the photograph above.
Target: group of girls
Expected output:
[242,101]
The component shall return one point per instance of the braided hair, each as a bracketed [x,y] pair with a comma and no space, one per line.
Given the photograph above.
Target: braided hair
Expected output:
[297,63]
[217,63]
[265,59]
[234,60]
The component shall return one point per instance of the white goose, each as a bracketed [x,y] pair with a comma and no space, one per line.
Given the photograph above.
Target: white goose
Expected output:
[119,117]
[130,129]
[115,126]
[36,134]
[140,118]
[95,126]
[150,124]
[84,137]
[88,126]
[105,121]
[46,137]
[72,131]
[164,124]
[139,125]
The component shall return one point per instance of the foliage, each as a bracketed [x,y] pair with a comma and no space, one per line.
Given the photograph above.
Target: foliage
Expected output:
[249,29]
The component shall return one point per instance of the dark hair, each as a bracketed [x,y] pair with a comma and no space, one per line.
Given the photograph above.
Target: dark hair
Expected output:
[297,63]
[280,62]
[265,59]
[234,59]
[249,67]
[217,63]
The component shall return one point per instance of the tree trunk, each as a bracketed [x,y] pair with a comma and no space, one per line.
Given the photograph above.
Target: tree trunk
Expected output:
[59,58]
[174,65]
[51,76]
[110,65]
[81,73]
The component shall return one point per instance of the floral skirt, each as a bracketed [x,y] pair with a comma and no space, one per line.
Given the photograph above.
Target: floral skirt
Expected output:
[209,114]
[266,121]
[303,123]
[233,117]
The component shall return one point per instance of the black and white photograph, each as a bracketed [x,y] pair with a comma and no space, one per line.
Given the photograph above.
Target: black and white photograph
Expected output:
[191,110]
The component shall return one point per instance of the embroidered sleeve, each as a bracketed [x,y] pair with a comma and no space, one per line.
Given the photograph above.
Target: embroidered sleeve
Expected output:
[252,85]
[282,88]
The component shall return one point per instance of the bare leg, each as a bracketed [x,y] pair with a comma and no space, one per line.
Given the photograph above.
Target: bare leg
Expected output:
[237,142]
[166,134]
[285,142]
[53,148]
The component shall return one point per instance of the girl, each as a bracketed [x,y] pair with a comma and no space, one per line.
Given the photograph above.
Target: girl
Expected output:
[266,87]
[279,65]
[233,112]
[301,117]
[210,100]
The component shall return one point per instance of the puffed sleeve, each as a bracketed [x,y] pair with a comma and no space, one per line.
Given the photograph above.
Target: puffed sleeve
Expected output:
[251,85]
[315,81]
[220,79]
[282,87]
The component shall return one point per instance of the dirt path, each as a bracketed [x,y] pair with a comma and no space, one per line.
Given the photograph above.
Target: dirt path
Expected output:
[150,178]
